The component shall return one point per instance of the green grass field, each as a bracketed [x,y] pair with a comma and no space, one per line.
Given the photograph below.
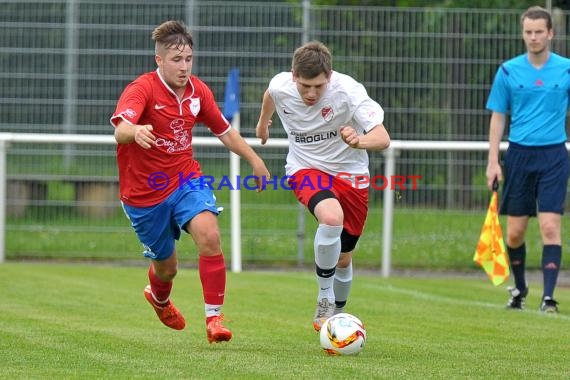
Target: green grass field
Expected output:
[65,321]
[425,239]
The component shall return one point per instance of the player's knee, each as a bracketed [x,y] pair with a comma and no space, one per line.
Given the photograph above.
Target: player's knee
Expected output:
[514,242]
[207,237]
[209,242]
[330,214]
[325,207]
[166,274]
[550,231]
[515,237]
[212,236]
[331,219]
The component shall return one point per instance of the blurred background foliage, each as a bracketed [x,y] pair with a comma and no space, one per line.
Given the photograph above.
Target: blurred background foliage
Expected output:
[493,4]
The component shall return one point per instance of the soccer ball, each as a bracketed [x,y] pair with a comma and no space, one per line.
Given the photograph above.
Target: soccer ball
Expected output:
[343,334]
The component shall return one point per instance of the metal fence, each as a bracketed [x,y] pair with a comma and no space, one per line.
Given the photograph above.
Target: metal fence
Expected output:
[64,63]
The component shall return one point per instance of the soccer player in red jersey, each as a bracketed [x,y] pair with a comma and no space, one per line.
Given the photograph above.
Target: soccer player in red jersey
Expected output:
[331,124]
[159,180]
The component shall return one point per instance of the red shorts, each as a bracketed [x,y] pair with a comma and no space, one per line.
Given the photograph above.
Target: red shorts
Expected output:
[306,183]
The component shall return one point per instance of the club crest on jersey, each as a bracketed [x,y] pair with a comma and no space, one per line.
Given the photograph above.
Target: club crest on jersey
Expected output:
[129,113]
[327,113]
[195,106]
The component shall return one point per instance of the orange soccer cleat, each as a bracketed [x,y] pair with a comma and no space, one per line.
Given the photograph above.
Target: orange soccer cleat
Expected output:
[167,312]
[217,332]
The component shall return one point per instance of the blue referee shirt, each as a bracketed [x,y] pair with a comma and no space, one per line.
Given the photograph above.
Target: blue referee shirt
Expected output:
[537,99]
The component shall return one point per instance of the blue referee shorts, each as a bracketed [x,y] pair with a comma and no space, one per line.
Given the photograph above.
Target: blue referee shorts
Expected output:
[158,226]
[536,178]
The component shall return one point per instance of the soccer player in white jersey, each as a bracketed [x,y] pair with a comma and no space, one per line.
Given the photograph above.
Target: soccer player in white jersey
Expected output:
[330,122]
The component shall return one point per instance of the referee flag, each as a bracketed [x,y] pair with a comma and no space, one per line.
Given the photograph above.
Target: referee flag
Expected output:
[491,253]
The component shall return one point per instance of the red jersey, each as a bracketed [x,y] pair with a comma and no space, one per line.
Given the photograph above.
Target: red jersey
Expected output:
[148,176]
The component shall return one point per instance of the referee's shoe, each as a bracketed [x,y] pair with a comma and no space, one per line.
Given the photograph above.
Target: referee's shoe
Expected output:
[549,305]
[516,302]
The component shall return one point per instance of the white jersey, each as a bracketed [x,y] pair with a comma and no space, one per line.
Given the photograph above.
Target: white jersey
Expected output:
[314,131]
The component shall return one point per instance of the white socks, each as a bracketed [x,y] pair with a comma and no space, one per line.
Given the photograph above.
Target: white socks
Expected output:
[342,282]
[327,252]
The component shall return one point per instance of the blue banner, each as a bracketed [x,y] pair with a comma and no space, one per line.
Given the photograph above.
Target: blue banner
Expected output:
[231,99]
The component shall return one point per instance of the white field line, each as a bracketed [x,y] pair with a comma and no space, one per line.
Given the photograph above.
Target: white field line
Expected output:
[449,300]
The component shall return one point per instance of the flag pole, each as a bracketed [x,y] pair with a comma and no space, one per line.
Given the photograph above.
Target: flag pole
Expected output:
[231,112]
[235,205]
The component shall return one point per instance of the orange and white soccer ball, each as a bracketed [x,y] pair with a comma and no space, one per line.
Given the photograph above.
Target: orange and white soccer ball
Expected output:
[343,334]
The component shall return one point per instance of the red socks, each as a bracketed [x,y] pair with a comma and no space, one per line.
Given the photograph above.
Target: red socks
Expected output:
[213,276]
[160,289]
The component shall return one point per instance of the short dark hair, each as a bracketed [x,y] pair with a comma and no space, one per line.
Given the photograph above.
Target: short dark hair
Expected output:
[172,34]
[537,13]
[312,59]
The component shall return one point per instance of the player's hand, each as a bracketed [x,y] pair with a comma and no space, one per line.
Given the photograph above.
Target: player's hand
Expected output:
[260,171]
[262,130]
[349,136]
[144,136]
[494,173]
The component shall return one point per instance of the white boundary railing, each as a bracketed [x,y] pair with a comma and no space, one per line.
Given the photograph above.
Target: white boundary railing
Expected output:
[389,167]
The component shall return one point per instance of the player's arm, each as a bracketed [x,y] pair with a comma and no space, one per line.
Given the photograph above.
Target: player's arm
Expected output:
[496,129]
[132,103]
[126,133]
[235,142]
[264,122]
[376,139]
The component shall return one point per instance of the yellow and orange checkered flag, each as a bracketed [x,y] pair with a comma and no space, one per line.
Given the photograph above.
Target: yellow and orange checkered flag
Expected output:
[491,253]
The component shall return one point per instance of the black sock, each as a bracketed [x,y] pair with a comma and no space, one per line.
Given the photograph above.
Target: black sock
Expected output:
[340,304]
[517,258]
[551,257]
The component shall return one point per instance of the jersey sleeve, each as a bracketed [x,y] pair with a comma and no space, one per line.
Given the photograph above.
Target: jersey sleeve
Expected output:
[131,103]
[367,112]
[499,97]
[210,114]
[275,85]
